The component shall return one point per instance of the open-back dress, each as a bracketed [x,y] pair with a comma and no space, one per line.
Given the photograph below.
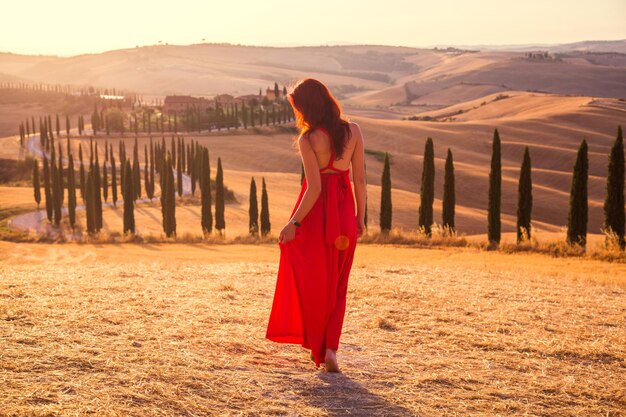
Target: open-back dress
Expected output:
[310,296]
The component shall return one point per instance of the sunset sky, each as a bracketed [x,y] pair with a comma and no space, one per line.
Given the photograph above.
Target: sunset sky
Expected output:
[68,27]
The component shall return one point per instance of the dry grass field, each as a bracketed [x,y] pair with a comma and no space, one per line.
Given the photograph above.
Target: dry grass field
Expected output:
[153,330]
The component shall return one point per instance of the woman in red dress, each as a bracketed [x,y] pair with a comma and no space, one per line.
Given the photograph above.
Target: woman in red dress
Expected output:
[317,244]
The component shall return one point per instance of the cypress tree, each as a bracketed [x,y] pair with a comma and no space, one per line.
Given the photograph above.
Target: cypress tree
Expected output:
[183,153]
[179,174]
[301,173]
[173,145]
[90,202]
[207,216]
[36,184]
[193,162]
[47,187]
[385,197]
[266,226]
[164,208]
[114,179]
[129,200]
[253,211]
[146,171]
[188,157]
[67,125]
[58,126]
[171,198]
[97,187]
[136,171]
[71,191]
[151,193]
[524,199]
[578,204]
[122,156]
[449,199]
[82,172]
[105,182]
[427,190]
[495,191]
[60,172]
[614,202]
[56,192]
[220,223]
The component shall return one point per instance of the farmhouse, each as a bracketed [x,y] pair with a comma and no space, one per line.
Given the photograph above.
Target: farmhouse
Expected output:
[178,104]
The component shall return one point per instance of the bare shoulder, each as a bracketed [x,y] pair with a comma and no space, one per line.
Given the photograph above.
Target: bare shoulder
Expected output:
[356,131]
[304,140]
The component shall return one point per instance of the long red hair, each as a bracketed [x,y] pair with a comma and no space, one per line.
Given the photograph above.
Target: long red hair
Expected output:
[315,106]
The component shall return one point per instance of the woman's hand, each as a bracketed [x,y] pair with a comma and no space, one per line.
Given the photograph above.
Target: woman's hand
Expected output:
[360,227]
[288,233]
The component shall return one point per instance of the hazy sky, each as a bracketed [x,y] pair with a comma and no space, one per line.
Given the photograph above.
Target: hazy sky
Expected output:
[68,27]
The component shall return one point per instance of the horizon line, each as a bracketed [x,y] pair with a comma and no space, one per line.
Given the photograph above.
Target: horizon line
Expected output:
[283,45]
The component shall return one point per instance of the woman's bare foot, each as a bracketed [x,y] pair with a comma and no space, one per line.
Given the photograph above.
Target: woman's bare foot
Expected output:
[331,361]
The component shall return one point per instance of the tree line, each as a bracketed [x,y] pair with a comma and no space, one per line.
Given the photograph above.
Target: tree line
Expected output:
[614,215]
[181,161]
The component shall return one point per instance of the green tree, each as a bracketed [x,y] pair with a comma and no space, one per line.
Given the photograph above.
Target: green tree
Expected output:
[385,197]
[266,226]
[129,200]
[220,223]
[614,202]
[95,121]
[105,182]
[47,184]
[71,192]
[114,179]
[253,211]
[495,191]
[146,171]
[179,173]
[427,190]
[524,198]
[90,202]
[171,198]
[82,172]
[36,184]
[136,171]
[578,202]
[449,199]
[57,202]
[205,188]
[97,191]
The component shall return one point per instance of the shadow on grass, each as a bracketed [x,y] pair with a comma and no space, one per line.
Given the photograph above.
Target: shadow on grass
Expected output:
[342,396]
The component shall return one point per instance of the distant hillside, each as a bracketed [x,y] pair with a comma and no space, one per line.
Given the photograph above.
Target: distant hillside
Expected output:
[365,75]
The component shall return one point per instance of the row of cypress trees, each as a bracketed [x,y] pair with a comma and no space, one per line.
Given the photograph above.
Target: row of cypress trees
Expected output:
[228,116]
[94,183]
[254,210]
[578,207]
[27,128]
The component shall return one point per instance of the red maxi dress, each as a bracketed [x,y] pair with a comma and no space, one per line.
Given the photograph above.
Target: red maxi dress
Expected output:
[310,296]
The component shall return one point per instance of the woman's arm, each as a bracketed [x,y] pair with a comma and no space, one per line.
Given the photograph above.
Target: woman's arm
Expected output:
[312,192]
[358,177]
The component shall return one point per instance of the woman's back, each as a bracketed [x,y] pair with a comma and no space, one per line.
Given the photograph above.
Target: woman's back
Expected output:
[321,143]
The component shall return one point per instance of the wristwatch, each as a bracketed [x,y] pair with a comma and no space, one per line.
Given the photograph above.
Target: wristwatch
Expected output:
[294,222]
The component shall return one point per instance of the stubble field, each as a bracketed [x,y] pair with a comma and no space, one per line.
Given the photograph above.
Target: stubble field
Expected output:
[120,330]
